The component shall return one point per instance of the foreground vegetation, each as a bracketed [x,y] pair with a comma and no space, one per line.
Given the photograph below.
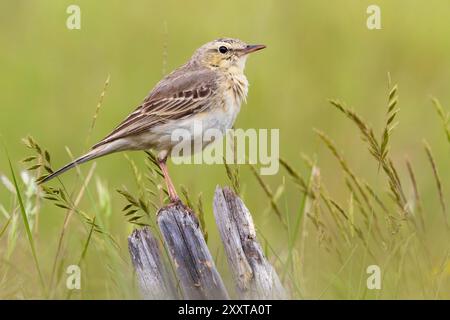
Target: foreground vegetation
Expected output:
[331,235]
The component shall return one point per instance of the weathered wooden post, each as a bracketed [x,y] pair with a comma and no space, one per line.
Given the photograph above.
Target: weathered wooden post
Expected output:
[254,275]
[197,276]
[154,280]
[193,263]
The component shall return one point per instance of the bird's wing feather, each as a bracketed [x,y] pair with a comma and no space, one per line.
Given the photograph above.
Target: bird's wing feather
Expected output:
[178,96]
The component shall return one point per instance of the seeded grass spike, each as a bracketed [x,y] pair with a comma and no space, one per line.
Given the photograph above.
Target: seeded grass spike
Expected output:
[390,124]
[376,150]
[97,109]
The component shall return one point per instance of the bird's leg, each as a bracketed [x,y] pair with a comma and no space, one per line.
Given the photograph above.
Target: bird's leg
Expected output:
[170,188]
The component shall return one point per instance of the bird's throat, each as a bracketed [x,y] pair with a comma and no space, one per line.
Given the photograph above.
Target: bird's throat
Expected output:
[238,85]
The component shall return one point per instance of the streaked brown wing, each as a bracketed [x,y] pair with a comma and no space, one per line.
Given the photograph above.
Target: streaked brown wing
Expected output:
[178,96]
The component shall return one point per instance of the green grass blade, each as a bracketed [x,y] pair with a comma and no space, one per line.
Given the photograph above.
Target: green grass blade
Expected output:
[86,245]
[25,222]
[83,253]
[299,218]
[5,227]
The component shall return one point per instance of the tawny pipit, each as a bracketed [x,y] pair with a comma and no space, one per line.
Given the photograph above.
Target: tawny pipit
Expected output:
[209,88]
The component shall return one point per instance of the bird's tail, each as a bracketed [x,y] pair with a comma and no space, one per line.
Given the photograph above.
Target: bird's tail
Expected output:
[93,154]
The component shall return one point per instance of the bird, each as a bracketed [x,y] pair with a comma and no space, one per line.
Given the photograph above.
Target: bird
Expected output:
[210,87]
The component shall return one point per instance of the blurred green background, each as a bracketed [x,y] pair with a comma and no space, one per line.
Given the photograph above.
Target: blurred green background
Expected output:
[51,79]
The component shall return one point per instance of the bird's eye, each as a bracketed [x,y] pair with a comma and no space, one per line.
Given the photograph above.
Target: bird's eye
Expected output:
[223,49]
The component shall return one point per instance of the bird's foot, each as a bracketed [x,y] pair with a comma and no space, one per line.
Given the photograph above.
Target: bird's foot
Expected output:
[174,199]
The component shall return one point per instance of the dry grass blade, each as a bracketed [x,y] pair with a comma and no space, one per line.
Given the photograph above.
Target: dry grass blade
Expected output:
[67,218]
[376,197]
[154,162]
[83,253]
[445,117]
[269,194]
[186,196]
[201,217]
[417,198]
[5,226]
[233,176]
[295,176]
[438,181]
[331,146]
[61,199]
[310,198]
[137,175]
[232,170]
[353,227]
[366,131]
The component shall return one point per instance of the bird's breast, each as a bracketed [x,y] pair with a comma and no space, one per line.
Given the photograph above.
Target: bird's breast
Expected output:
[237,87]
[221,115]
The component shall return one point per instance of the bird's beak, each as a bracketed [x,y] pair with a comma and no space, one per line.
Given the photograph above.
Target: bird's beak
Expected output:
[252,48]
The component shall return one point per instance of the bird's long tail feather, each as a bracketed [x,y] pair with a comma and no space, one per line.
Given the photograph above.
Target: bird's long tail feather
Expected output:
[93,154]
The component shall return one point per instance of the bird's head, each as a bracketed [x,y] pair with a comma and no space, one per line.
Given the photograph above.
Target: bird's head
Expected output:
[226,54]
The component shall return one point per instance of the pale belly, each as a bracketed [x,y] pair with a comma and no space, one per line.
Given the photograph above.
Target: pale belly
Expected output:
[163,138]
